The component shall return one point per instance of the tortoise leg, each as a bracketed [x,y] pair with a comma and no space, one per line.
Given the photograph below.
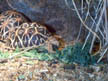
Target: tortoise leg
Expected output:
[49,47]
[52,44]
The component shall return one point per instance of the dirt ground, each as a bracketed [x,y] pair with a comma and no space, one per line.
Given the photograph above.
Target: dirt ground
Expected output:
[25,69]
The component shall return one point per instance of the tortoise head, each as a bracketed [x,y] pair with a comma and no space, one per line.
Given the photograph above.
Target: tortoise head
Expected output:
[52,44]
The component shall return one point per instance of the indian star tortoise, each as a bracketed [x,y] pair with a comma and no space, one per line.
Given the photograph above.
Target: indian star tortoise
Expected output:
[31,34]
[17,31]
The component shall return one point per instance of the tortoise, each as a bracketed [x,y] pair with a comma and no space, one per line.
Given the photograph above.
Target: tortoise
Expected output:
[31,34]
[9,20]
[16,30]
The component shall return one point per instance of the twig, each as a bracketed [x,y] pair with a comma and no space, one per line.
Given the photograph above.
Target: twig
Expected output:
[97,28]
[10,5]
[85,24]
[94,22]
[102,55]
[71,8]
[25,50]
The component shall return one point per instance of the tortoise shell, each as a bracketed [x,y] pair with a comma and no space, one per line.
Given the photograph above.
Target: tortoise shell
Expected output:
[9,20]
[28,34]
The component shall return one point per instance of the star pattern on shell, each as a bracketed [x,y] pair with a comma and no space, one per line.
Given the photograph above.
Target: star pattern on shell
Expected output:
[17,31]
